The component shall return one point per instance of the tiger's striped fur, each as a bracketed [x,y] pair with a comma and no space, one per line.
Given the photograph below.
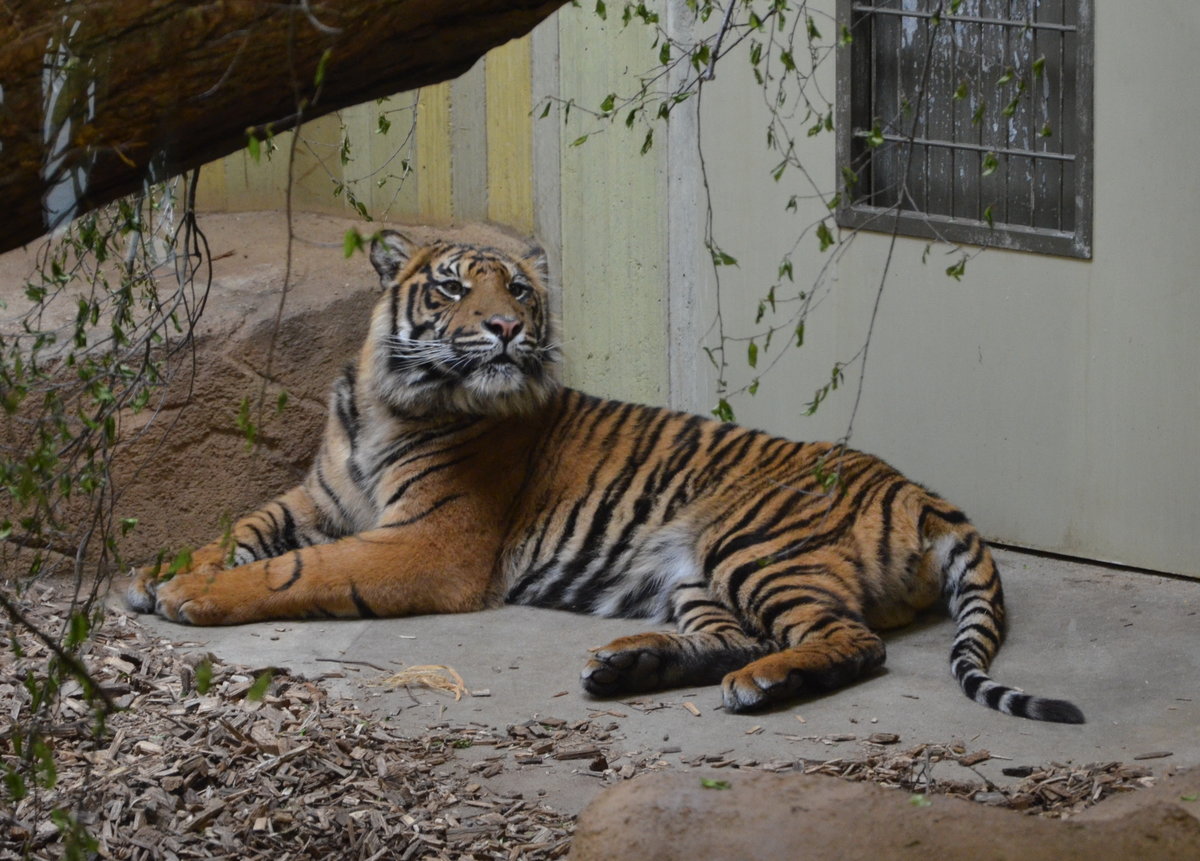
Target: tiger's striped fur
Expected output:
[455,474]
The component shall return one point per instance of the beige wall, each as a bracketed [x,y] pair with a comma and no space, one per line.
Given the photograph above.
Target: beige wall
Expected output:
[1058,401]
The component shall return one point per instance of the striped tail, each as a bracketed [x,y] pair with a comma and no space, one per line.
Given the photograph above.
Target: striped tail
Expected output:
[971,589]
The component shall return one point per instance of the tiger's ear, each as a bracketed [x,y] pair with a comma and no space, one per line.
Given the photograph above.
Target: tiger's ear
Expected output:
[390,252]
[535,259]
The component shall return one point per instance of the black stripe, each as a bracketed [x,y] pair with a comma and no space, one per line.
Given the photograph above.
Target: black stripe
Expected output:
[297,570]
[289,529]
[360,604]
[346,406]
[264,549]
[971,682]
[883,552]
[408,521]
[994,695]
[405,486]
[336,500]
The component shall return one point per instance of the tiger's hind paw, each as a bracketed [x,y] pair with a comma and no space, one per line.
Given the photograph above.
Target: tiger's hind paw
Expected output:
[627,665]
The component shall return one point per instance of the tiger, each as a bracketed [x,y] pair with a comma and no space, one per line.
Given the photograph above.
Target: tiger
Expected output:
[457,473]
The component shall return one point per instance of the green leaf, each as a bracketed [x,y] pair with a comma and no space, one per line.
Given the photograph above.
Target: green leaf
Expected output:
[253,145]
[958,269]
[847,38]
[182,560]
[14,783]
[962,91]
[1006,78]
[609,101]
[813,32]
[351,242]
[824,236]
[1046,131]
[579,141]
[875,136]
[319,77]
[204,674]
[664,53]
[988,217]
[723,411]
[710,783]
[601,10]
[919,800]
[80,626]
[1189,797]
[720,258]
[752,354]
[990,164]
[800,334]
[789,62]
[258,690]
[648,142]
[245,424]
[1039,67]
[47,771]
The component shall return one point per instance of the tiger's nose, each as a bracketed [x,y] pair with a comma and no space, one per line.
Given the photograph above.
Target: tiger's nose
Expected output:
[505,327]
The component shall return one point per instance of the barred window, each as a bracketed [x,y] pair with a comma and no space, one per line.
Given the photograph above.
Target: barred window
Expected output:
[968,121]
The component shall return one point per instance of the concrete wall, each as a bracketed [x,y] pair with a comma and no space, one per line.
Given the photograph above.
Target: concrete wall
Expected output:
[1056,400]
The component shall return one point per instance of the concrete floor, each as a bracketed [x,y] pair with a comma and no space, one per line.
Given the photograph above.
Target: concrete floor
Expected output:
[1124,646]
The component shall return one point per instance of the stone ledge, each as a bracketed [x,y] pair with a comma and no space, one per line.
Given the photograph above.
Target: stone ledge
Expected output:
[674,816]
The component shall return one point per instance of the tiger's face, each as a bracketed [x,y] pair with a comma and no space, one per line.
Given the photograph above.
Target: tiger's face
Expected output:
[460,329]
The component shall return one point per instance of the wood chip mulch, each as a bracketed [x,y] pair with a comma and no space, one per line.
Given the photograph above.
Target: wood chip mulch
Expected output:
[299,774]
[296,774]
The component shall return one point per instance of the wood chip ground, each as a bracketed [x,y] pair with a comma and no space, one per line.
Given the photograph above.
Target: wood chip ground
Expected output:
[299,774]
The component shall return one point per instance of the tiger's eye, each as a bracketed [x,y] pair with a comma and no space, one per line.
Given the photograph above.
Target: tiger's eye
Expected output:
[451,289]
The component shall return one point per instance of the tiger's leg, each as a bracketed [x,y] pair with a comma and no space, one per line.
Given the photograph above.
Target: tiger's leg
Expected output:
[709,644]
[286,523]
[391,571]
[829,649]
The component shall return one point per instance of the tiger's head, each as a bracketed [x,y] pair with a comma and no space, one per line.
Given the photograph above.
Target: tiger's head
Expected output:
[460,329]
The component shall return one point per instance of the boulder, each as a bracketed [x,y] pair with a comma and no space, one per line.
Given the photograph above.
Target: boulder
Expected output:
[750,815]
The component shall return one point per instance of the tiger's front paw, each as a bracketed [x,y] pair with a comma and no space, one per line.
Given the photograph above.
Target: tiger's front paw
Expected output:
[627,665]
[139,594]
[759,685]
[153,589]
[192,599]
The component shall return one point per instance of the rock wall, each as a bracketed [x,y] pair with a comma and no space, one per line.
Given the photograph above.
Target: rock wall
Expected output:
[185,465]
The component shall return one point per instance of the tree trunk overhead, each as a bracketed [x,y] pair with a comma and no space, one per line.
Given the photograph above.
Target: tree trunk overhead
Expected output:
[99,96]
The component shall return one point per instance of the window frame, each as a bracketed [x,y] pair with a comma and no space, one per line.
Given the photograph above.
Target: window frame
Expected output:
[854,67]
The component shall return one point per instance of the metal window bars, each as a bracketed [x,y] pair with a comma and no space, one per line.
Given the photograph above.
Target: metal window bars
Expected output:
[969,126]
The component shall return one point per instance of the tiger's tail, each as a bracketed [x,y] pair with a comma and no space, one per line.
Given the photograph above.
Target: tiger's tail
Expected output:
[971,589]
